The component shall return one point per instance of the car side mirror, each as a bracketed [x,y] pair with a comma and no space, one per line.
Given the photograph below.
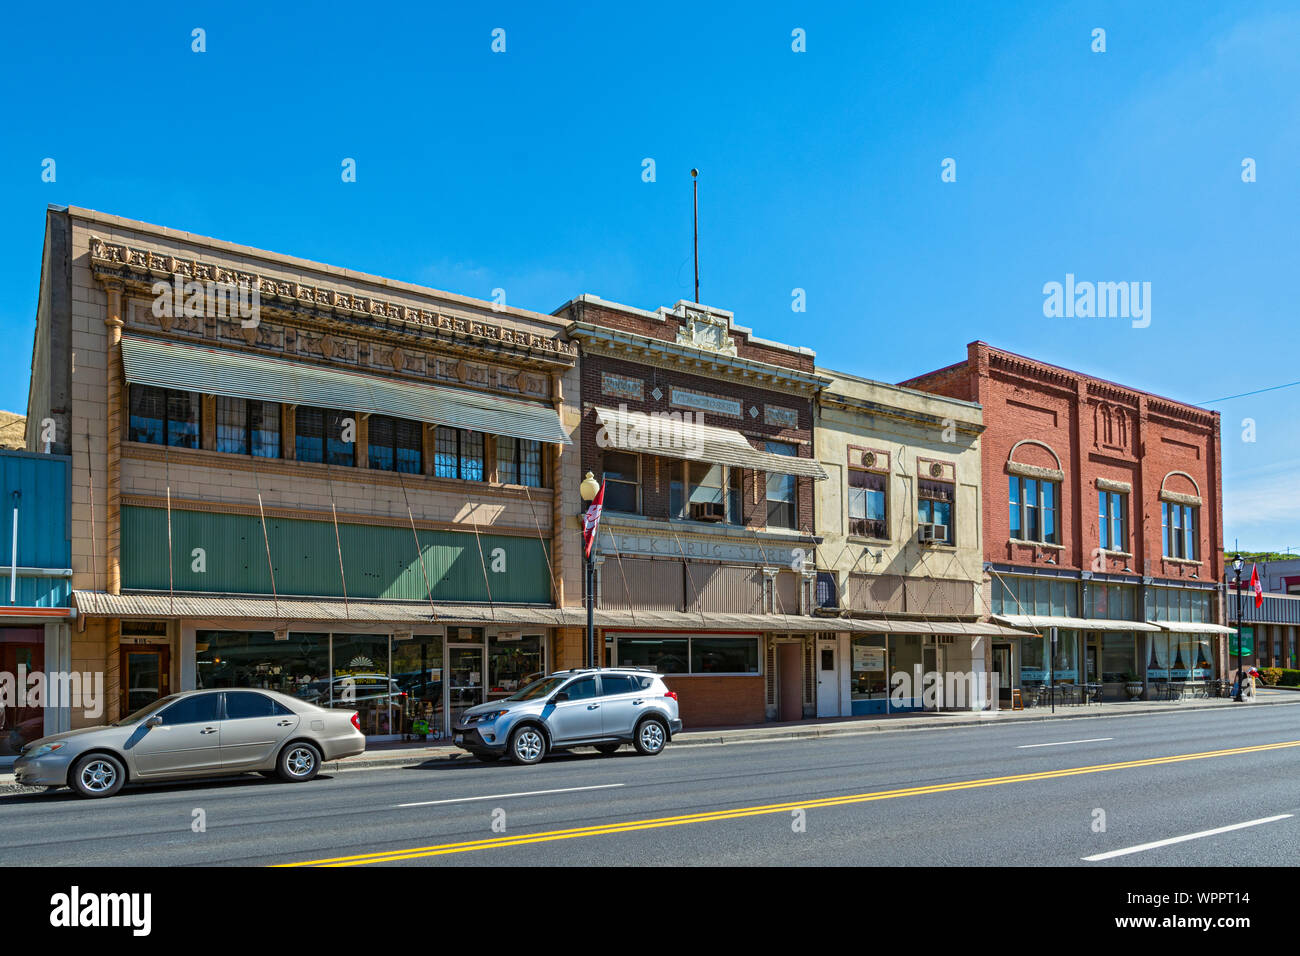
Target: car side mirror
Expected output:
[154,721]
[562,695]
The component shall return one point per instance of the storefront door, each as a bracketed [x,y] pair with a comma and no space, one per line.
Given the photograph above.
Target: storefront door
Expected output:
[465,669]
[1002,671]
[931,664]
[20,723]
[789,679]
[828,679]
[145,670]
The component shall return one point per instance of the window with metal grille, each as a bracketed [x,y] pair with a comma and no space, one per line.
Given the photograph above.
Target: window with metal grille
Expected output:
[248,427]
[395,444]
[458,453]
[319,436]
[164,416]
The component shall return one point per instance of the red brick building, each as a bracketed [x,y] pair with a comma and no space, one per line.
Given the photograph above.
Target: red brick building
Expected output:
[1103,514]
[702,434]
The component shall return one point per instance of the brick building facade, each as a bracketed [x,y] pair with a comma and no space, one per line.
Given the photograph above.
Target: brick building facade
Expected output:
[1103,514]
[703,436]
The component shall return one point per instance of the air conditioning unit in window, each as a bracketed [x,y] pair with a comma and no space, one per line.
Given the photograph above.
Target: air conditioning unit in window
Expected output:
[932,534]
[708,511]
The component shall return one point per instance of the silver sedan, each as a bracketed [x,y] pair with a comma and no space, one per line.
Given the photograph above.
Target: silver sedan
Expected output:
[199,733]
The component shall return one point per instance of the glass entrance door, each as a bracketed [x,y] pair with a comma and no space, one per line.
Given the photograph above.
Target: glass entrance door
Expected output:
[144,676]
[466,678]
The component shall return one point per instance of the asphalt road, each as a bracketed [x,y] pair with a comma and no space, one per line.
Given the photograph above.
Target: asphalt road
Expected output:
[1041,793]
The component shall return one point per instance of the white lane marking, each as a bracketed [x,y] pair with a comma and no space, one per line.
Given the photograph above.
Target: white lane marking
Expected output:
[1062,743]
[506,796]
[1183,839]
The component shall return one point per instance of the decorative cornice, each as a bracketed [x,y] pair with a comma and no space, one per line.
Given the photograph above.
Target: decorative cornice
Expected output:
[646,350]
[142,267]
[897,413]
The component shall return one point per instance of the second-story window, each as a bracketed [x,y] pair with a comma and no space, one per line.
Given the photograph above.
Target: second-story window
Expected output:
[781,490]
[164,416]
[935,502]
[519,461]
[1112,520]
[320,435]
[394,444]
[1178,529]
[867,504]
[248,427]
[622,474]
[458,453]
[1033,510]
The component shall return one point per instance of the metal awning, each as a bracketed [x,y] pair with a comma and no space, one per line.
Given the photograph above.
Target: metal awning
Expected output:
[1187,627]
[241,375]
[1038,622]
[205,606]
[673,438]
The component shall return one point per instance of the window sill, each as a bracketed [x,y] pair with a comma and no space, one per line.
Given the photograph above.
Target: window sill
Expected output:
[1022,543]
[864,539]
[1126,555]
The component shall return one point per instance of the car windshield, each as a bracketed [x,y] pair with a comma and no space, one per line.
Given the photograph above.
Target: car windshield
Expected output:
[538,688]
[145,711]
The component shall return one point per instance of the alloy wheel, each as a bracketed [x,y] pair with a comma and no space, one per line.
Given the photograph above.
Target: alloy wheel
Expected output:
[300,761]
[652,736]
[98,776]
[528,744]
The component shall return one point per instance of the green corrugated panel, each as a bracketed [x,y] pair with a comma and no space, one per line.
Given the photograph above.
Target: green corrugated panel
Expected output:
[239,375]
[380,562]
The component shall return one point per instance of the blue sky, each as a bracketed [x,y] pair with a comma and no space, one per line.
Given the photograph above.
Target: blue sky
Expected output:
[819,170]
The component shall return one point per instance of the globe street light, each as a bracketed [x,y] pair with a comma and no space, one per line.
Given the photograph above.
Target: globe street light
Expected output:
[588,489]
[1236,570]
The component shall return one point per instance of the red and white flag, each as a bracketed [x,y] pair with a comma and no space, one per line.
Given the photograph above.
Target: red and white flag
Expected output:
[1255,585]
[591,520]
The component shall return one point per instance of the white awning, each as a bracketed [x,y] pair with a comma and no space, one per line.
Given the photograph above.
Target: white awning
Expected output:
[1186,627]
[672,437]
[1039,622]
[244,375]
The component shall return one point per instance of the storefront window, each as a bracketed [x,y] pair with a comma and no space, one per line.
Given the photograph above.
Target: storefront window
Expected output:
[723,655]
[298,667]
[1066,658]
[362,680]
[905,656]
[869,680]
[20,647]
[703,654]
[1118,657]
[417,668]
[512,662]
[1033,660]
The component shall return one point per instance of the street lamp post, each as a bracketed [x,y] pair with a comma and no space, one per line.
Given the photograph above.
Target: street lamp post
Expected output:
[1236,571]
[588,490]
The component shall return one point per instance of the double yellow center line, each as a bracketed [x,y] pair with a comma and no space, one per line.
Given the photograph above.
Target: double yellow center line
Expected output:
[524,839]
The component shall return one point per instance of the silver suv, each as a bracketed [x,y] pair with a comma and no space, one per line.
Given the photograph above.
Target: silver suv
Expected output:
[591,707]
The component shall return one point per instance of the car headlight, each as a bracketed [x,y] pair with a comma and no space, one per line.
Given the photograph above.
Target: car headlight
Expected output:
[43,749]
[493,715]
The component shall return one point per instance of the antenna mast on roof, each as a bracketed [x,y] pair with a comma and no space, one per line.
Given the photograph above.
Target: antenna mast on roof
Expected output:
[695,192]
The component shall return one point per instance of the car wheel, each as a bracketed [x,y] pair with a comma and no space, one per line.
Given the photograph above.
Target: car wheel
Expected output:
[607,749]
[298,762]
[527,745]
[97,775]
[489,758]
[651,735]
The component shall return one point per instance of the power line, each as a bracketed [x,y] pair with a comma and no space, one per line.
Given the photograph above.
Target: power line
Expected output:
[1258,391]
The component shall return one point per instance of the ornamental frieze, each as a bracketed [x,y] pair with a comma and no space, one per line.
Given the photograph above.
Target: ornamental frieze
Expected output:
[118,256]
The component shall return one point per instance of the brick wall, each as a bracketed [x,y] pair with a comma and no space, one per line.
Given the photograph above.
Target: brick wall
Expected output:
[1096,429]
[718,701]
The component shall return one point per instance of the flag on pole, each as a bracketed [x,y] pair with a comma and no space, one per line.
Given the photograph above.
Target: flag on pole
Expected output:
[1255,586]
[591,520]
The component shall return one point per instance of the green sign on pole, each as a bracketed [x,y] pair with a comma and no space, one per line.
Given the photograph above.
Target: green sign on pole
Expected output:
[1247,637]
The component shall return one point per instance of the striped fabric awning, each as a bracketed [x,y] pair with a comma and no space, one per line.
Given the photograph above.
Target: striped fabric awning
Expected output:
[675,438]
[1040,622]
[308,610]
[241,375]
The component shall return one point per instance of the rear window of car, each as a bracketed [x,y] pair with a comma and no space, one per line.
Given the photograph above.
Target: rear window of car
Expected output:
[611,684]
[244,704]
[198,709]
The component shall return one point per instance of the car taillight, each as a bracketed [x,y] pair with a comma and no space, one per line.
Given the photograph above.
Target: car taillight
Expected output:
[671,693]
[356,721]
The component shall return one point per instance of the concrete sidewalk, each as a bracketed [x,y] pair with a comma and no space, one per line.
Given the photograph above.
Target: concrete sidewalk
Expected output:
[398,754]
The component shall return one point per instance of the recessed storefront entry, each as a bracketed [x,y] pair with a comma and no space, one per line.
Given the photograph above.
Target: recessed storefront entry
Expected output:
[789,664]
